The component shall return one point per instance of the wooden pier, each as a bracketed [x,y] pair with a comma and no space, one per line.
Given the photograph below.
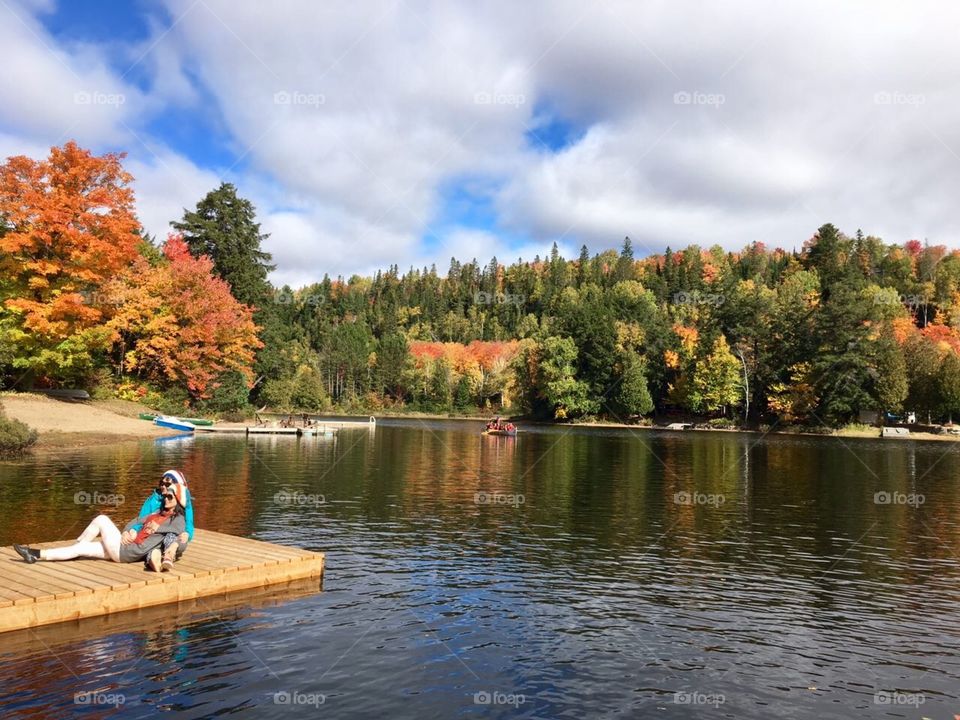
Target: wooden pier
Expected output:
[50,592]
[318,428]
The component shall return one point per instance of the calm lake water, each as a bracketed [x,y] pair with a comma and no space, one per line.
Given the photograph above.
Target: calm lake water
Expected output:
[561,574]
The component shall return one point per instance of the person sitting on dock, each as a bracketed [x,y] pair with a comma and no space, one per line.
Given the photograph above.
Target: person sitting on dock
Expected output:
[154,502]
[103,540]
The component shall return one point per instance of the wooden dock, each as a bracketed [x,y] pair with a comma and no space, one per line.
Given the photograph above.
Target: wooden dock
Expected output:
[50,592]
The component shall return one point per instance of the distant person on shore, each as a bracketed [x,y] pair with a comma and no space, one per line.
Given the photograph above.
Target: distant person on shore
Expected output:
[153,504]
[103,540]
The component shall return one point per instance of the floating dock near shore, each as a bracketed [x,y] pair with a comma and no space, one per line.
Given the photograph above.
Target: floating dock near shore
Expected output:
[318,428]
[42,593]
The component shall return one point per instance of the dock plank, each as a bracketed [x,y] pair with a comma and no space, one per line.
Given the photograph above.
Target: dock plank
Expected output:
[43,593]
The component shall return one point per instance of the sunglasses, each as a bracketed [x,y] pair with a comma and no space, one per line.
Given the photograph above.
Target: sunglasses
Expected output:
[168,496]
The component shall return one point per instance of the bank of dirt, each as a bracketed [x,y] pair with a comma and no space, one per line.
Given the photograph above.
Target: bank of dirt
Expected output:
[63,424]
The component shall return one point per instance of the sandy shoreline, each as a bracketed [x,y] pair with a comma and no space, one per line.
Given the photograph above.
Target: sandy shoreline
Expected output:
[69,425]
[63,425]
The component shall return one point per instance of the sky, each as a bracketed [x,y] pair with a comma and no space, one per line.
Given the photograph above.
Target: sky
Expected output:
[408,132]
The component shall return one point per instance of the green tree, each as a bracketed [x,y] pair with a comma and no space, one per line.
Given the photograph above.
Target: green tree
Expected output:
[230,393]
[564,393]
[224,227]
[625,269]
[461,396]
[307,391]
[948,385]
[923,366]
[440,395]
[841,364]
[393,363]
[633,395]
[890,385]
[717,380]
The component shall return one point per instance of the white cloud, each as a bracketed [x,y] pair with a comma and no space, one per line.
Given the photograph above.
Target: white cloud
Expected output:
[165,184]
[59,93]
[746,123]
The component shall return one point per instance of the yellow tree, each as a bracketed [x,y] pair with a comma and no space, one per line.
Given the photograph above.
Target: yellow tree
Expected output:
[716,379]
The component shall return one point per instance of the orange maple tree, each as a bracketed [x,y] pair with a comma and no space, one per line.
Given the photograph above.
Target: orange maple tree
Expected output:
[67,224]
[177,322]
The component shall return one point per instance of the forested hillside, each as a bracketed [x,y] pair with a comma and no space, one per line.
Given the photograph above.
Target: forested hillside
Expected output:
[812,336]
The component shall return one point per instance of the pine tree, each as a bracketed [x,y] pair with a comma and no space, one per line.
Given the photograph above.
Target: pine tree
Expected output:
[224,228]
[633,394]
[624,269]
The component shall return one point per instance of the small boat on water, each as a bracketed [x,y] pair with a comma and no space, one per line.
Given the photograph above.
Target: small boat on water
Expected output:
[503,431]
[497,426]
[174,423]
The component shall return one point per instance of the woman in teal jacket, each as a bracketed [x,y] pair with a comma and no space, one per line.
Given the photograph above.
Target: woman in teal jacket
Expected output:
[153,503]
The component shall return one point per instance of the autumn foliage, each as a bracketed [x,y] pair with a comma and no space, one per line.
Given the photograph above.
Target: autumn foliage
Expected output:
[67,224]
[177,322]
[77,293]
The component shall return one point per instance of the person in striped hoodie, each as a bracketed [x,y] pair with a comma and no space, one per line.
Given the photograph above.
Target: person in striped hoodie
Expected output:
[153,504]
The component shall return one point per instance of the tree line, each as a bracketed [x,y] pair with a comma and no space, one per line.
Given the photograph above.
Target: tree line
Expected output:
[813,336]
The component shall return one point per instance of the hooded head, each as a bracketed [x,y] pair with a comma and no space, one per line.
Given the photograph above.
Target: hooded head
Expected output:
[179,492]
[175,476]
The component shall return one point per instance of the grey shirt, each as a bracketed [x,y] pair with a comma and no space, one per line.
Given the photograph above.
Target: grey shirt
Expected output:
[133,552]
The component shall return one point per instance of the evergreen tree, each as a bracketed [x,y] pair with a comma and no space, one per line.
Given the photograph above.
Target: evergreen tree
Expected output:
[583,267]
[624,269]
[633,395]
[890,386]
[224,227]
[948,385]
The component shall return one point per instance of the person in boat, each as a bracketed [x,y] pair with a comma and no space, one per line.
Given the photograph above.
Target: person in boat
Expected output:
[104,540]
[154,502]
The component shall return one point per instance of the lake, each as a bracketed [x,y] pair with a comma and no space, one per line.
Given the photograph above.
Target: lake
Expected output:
[565,573]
